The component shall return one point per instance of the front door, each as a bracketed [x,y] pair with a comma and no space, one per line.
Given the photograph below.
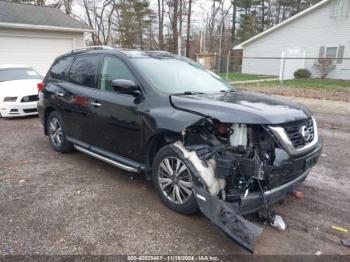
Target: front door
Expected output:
[116,119]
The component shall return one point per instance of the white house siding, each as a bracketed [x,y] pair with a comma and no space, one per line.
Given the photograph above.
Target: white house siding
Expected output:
[36,48]
[309,33]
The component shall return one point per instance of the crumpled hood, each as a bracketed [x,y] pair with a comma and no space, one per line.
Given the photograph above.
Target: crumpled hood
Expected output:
[242,107]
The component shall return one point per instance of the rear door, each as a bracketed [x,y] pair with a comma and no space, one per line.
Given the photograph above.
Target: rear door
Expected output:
[72,97]
[116,118]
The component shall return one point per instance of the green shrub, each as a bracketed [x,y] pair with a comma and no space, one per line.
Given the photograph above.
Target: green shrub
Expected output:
[302,74]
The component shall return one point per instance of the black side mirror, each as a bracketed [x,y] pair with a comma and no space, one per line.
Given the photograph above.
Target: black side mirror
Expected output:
[125,86]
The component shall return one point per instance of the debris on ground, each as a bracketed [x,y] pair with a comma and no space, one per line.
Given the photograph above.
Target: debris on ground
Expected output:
[346,242]
[7,250]
[297,194]
[21,181]
[318,253]
[340,229]
[278,223]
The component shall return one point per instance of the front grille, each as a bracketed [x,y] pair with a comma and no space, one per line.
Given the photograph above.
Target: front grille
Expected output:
[300,133]
[32,98]
[33,110]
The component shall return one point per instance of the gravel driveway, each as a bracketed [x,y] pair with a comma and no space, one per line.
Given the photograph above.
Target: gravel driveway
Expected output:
[53,203]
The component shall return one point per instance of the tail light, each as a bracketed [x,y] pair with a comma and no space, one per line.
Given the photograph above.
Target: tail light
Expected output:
[40,86]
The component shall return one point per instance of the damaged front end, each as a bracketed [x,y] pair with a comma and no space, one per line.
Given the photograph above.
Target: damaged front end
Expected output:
[239,169]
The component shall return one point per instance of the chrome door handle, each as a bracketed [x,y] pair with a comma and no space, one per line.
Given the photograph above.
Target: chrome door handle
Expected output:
[59,94]
[95,104]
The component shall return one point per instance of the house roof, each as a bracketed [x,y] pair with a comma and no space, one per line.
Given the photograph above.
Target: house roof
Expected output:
[282,24]
[25,16]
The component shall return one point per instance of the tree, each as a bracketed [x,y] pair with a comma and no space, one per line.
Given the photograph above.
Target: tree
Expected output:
[143,17]
[324,66]
[233,27]
[247,28]
[161,12]
[174,26]
[188,35]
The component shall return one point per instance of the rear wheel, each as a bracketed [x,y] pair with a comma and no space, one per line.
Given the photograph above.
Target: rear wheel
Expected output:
[57,136]
[173,181]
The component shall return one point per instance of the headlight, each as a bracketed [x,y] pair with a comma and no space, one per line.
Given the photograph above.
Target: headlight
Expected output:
[25,99]
[10,99]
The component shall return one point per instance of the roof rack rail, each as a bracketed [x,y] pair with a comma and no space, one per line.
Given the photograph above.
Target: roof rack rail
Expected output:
[95,47]
[158,51]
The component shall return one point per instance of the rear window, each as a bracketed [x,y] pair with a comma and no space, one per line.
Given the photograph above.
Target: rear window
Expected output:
[61,68]
[10,74]
[84,71]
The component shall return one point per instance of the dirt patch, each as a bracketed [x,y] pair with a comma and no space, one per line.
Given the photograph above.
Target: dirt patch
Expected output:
[341,94]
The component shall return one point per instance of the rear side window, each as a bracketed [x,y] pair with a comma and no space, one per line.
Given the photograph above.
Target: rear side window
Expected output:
[60,69]
[84,71]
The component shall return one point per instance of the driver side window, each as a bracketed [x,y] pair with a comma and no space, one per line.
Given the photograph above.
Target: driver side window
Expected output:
[112,69]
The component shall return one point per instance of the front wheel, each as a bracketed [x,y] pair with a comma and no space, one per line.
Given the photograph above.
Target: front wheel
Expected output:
[173,181]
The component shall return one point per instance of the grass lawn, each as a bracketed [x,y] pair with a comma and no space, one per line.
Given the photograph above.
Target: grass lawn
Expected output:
[232,76]
[304,83]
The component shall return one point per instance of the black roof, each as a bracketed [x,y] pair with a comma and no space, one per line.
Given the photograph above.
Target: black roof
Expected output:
[18,13]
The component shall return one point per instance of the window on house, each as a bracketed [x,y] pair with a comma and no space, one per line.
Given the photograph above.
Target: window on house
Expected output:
[331,52]
[340,8]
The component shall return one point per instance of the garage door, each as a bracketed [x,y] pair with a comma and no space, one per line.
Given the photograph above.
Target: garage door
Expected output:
[36,52]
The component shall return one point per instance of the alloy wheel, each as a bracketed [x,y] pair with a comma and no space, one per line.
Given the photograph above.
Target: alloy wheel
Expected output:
[55,131]
[175,180]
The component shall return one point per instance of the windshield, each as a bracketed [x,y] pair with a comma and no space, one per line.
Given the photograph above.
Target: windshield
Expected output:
[178,76]
[10,74]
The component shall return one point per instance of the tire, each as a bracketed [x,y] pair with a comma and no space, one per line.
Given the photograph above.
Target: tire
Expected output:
[56,134]
[179,187]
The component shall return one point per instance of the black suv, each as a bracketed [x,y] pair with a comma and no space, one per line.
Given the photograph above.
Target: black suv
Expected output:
[204,144]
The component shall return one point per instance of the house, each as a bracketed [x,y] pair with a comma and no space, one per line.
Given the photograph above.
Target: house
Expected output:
[35,35]
[322,30]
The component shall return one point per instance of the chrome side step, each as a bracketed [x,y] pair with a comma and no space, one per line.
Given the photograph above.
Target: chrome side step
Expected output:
[107,160]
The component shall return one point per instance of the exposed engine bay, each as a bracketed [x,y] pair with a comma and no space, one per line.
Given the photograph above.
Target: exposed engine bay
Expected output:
[231,158]
[231,163]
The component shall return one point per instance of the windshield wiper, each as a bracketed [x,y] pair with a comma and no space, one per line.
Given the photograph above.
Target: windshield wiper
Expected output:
[189,93]
[228,91]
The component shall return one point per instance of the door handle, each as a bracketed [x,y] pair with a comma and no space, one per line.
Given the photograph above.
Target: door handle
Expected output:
[59,94]
[96,104]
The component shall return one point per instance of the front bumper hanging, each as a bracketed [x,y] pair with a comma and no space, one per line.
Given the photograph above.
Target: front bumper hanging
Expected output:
[226,217]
